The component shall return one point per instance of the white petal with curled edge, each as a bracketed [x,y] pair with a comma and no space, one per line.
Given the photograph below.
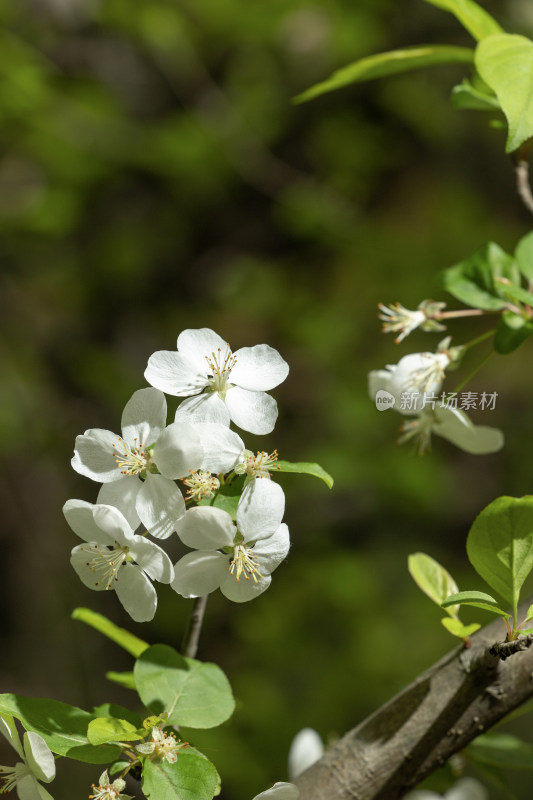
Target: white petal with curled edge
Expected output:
[200,573]
[178,450]
[29,789]
[79,515]
[113,522]
[306,748]
[94,455]
[201,343]
[39,757]
[280,791]
[80,558]
[144,417]
[175,374]
[243,590]
[122,494]
[222,447]
[152,559]
[380,380]
[136,593]
[205,408]
[160,505]
[260,509]
[206,528]
[255,412]
[454,425]
[259,368]
[467,789]
[9,730]
[272,551]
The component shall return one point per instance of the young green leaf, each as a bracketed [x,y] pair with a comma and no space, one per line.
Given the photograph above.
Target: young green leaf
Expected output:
[118,712]
[125,679]
[500,545]
[473,281]
[467,96]
[505,62]
[501,750]
[227,497]
[475,19]
[391,63]
[195,694]
[192,777]
[433,579]
[529,614]
[456,627]
[515,293]
[524,255]
[511,331]
[109,729]
[63,727]
[476,599]
[306,468]
[120,636]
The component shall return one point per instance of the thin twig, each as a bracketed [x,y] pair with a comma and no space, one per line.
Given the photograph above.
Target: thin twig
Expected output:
[521,167]
[189,647]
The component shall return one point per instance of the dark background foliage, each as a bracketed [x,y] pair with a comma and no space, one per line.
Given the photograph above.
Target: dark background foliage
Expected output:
[154,176]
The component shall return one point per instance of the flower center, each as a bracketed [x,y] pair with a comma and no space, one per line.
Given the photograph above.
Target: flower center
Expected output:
[166,746]
[433,372]
[131,460]
[106,562]
[201,484]
[418,431]
[220,365]
[257,466]
[107,792]
[10,776]
[244,563]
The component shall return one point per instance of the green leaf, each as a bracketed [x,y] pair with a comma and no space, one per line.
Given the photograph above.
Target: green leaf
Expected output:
[118,712]
[467,96]
[306,468]
[473,281]
[192,777]
[120,636]
[475,19]
[109,729]
[501,750]
[515,293]
[524,255]
[511,331]
[390,63]
[433,579]
[125,679]
[456,627]
[63,727]
[529,614]
[227,497]
[505,62]
[195,694]
[476,599]
[500,545]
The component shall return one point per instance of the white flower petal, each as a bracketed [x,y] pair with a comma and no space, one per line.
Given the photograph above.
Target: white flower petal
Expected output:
[467,789]
[152,559]
[79,516]
[272,551]
[160,505]
[122,494]
[260,510]
[259,368]
[113,522]
[39,757]
[144,417]
[280,791]
[175,374]
[255,412]
[306,748]
[206,407]
[29,789]
[206,528]
[243,590]
[80,559]
[136,593]
[93,455]
[455,426]
[178,450]
[222,447]
[200,573]
[199,343]
[9,730]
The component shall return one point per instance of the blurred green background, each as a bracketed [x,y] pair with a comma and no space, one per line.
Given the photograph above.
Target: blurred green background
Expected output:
[154,176]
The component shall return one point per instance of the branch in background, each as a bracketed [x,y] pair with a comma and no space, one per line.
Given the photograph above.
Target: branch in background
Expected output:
[189,647]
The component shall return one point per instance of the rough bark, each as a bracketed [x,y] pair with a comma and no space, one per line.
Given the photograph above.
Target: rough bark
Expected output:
[437,715]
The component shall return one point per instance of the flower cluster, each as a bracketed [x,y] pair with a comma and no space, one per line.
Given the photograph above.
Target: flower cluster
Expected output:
[235,548]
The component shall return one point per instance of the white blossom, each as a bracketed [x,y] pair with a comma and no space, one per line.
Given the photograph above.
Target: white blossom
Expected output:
[454,425]
[398,319]
[113,557]
[465,789]
[237,559]
[109,791]
[37,763]
[280,791]
[162,747]
[306,748]
[221,385]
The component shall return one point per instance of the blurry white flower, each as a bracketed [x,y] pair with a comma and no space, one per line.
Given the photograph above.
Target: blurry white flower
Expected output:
[224,385]
[37,763]
[306,748]
[115,558]
[465,789]
[280,791]
[238,560]
[398,319]
[451,424]
[109,791]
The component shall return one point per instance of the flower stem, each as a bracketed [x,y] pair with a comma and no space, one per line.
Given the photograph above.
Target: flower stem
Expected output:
[463,312]
[479,339]
[189,645]
[473,372]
